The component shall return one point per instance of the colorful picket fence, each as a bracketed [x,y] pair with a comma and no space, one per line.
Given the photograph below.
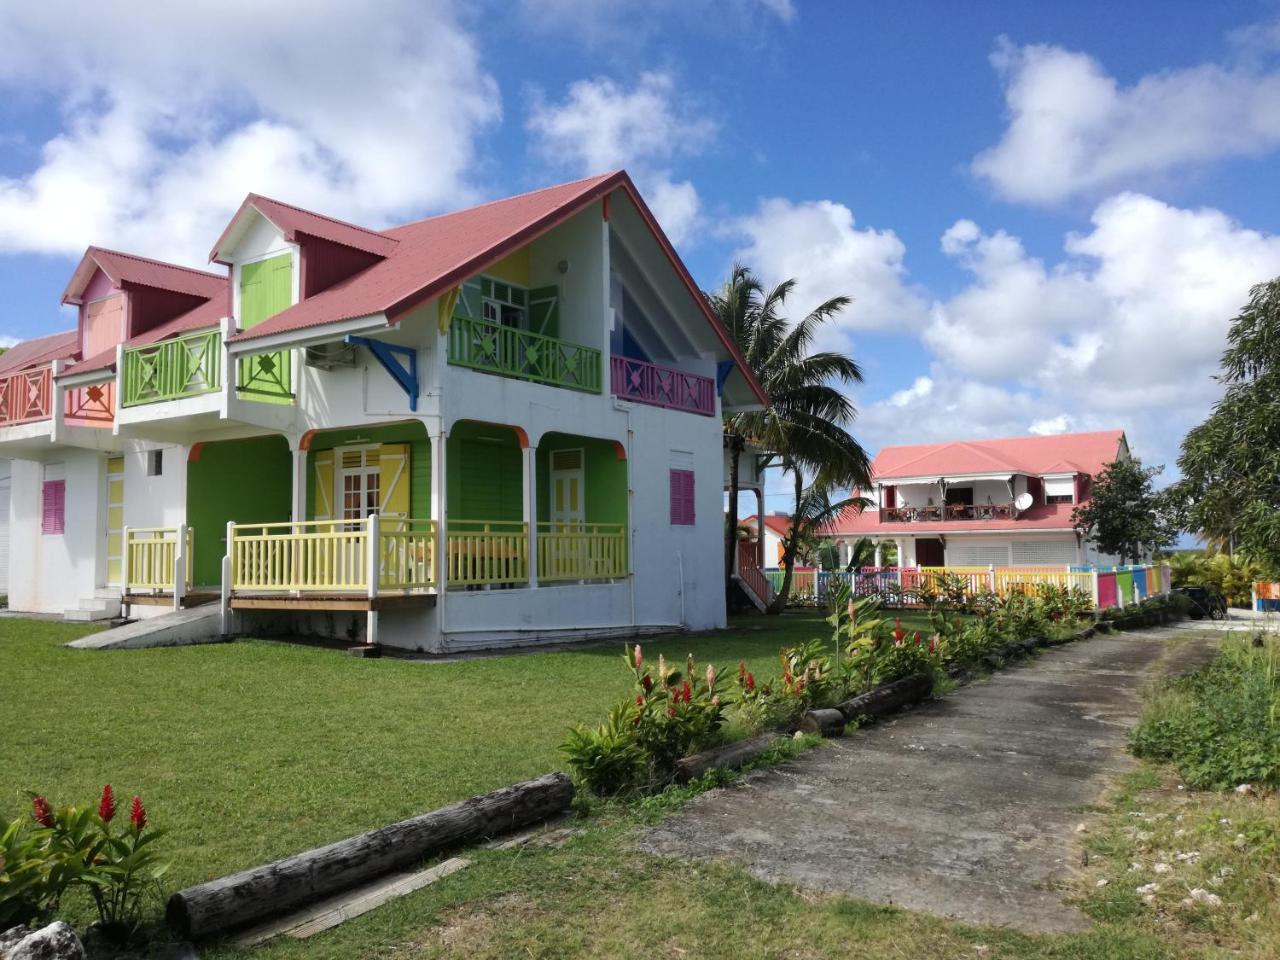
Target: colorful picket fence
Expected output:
[906,585]
[1266,597]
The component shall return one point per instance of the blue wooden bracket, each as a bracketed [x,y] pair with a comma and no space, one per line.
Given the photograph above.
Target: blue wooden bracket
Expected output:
[723,369]
[400,362]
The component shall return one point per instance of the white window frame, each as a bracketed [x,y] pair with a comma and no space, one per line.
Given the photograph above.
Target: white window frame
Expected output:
[340,474]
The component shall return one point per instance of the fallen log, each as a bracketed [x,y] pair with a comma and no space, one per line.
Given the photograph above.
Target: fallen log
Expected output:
[724,758]
[253,894]
[829,722]
[886,699]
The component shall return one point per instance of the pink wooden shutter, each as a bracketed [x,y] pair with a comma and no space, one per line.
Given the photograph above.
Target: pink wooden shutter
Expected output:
[681,488]
[53,507]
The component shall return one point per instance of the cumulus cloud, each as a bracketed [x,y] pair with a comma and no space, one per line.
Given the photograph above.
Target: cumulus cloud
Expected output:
[601,125]
[822,247]
[1124,331]
[172,112]
[1073,128]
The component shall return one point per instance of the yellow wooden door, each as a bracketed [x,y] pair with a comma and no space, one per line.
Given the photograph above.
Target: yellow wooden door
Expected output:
[393,485]
[322,502]
[568,504]
[115,521]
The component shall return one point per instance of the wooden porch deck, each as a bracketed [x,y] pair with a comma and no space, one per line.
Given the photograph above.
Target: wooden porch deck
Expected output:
[336,601]
[194,598]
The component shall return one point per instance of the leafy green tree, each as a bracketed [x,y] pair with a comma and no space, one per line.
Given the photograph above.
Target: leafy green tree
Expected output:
[1124,514]
[1230,491]
[807,420]
[814,510]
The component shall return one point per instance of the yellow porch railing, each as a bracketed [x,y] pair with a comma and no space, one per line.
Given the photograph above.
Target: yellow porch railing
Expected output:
[581,551]
[331,556]
[149,557]
[407,554]
[486,552]
[977,579]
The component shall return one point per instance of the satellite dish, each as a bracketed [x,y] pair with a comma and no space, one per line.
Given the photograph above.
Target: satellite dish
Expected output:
[1024,502]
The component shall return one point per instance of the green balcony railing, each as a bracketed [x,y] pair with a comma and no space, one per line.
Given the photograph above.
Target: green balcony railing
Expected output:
[267,377]
[172,369]
[511,352]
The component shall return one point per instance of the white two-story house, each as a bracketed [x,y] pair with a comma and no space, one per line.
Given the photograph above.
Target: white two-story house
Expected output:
[1004,502]
[492,426]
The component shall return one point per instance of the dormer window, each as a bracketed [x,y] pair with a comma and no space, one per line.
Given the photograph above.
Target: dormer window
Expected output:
[1060,489]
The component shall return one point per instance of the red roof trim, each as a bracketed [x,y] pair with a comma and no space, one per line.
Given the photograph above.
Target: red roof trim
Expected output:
[371,241]
[108,261]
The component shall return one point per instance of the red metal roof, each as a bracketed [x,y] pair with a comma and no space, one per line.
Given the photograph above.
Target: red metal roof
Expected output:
[123,268]
[779,523]
[434,255]
[1058,453]
[40,351]
[292,221]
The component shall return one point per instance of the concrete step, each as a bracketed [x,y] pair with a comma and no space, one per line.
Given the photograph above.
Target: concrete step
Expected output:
[107,593]
[90,611]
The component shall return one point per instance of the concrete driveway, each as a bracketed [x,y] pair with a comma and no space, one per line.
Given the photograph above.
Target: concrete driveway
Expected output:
[965,807]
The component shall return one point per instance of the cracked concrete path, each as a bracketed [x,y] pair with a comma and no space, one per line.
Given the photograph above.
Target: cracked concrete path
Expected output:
[964,807]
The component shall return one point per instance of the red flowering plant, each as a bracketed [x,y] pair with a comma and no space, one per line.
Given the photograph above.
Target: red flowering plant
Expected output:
[669,714]
[78,846]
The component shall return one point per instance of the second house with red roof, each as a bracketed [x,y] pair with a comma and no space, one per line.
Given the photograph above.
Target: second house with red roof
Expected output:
[1004,502]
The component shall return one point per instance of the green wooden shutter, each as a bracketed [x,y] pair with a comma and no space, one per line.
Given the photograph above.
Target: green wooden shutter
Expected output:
[266,288]
[494,481]
[544,311]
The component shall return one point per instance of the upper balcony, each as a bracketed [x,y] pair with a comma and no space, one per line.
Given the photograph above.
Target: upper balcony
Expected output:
[950,511]
[523,355]
[26,396]
[192,366]
[659,386]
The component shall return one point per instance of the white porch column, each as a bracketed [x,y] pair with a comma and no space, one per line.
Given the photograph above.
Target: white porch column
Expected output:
[529,504]
[298,486]
[372,565]
[879,555]
[439,442]
[180,560]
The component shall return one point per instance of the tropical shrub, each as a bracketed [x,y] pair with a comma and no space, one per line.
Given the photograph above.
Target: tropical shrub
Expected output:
[78,846]
[670,716]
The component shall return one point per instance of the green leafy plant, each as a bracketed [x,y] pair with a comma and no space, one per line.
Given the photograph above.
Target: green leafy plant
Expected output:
[607,759]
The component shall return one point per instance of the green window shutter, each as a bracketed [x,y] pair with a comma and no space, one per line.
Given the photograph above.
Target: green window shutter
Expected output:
[494,481]
[544,311]
[266,288]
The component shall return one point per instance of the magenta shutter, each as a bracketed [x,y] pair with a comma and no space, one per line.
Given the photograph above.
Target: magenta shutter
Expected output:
[681,485]
[53,505]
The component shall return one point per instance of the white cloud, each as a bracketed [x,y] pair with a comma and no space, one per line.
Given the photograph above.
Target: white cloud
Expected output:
[1124,331]
[601,126]
[172,112]
[1073,128]
[819,244]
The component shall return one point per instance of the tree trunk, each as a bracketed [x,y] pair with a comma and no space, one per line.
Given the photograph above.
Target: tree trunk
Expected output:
[829,722]
[734,444]
[724,758]
[779,601]
[886,699]
[240,899]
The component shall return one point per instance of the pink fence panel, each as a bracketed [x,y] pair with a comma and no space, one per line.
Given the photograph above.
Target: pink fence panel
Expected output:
[1108,592]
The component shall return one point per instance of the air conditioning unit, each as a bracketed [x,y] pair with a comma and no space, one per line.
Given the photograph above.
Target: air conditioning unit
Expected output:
[331,356]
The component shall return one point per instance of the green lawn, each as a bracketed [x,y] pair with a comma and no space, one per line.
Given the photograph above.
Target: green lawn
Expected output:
[246,752]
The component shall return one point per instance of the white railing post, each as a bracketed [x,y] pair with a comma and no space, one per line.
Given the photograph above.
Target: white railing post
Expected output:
[228,576]
[371,571]
[991,577]
[180,568]
[530,509]
[1093,570]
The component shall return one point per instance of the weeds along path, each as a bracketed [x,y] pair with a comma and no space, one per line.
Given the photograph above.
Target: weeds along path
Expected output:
[965,807]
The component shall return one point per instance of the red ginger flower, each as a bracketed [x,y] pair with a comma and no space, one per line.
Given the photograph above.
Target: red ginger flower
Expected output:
[671,710]
[898,632]
[742,671]
[685,691]
[751,683]
[639,657]
[107,807]
[137,814]
[639,700]
[40,810]
[917,638]
[646,682]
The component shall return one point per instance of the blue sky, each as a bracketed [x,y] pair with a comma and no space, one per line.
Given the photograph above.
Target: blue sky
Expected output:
[1046,213]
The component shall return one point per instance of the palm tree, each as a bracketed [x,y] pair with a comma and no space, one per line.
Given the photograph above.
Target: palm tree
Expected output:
[805,421]
[814,510]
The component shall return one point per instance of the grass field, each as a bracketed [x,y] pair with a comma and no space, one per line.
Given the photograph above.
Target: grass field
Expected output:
[250,751]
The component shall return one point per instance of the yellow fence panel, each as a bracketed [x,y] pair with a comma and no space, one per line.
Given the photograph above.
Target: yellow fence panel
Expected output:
[149,556]
[407,554]
[486,552]
[581,551]
[317,555]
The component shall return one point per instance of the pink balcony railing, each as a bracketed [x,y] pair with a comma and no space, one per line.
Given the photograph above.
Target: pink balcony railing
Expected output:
[662,386]
[26,396]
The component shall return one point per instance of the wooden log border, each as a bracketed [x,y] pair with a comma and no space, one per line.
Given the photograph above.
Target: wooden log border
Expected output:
[259,892]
